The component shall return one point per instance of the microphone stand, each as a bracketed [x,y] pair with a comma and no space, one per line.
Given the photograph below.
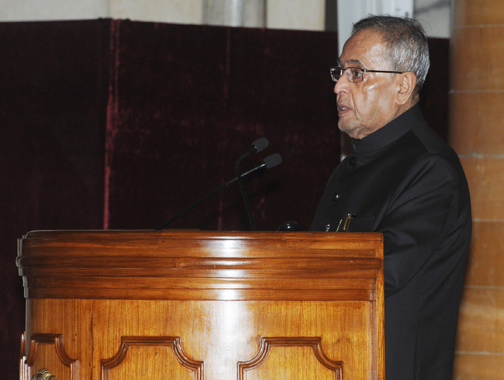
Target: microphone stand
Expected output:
[242,189]
[201,200]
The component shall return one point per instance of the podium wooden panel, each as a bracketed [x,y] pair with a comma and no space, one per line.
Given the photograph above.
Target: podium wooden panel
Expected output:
[203,305]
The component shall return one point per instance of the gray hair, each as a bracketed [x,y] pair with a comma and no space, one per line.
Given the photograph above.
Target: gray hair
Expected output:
[407,43]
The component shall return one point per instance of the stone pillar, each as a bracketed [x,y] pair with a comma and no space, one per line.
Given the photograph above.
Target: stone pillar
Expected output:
[477,134]
[273,14]
[250,13]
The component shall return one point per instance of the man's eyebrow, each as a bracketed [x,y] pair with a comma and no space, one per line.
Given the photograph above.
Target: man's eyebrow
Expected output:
[350,62]
[354,62]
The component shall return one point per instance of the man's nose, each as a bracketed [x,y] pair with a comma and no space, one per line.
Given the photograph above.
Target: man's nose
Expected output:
[341,85]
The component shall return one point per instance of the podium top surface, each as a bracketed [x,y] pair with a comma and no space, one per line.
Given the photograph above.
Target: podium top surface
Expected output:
[194,264]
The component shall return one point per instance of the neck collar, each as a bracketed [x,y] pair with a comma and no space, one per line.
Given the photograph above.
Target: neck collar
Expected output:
[388,133]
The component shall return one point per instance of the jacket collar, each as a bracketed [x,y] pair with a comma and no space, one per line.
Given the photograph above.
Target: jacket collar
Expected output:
[390,132]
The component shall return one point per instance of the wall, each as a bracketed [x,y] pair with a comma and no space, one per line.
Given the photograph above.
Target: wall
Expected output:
[279,14]
[477,134]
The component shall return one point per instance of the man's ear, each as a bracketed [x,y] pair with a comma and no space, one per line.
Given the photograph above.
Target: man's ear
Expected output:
[406,86]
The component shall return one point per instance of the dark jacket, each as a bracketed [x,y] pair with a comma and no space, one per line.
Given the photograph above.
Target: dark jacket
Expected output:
[404,181]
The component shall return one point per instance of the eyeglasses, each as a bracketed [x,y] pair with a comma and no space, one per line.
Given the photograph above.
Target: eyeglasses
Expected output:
[355,74]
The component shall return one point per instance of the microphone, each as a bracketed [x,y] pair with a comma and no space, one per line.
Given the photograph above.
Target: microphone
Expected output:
[268,163]
[257,146]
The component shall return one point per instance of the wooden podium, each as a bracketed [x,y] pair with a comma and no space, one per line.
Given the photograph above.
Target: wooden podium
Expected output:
[202,305]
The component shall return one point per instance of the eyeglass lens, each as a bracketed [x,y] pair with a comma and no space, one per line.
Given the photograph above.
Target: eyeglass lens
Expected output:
[354,74]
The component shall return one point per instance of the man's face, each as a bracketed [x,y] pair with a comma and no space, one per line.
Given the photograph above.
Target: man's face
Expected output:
[366,106]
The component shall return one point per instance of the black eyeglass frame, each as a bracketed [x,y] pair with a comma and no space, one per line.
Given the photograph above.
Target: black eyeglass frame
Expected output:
[344,69]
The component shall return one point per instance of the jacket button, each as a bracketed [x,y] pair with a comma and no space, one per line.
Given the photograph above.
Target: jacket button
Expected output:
[352,161]
[335,197]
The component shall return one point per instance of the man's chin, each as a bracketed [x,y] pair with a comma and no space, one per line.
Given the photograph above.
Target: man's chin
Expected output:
[347,129]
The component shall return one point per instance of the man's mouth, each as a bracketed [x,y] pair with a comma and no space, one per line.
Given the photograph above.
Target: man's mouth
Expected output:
[342,109]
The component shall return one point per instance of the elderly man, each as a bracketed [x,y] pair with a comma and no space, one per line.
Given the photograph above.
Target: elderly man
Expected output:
[404,181]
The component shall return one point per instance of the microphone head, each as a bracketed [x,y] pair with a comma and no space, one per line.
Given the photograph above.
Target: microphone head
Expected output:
[273,160]
[259,145]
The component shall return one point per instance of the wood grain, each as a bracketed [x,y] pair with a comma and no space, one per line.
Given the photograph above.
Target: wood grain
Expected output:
[285,371]
[47,350]
[160,311]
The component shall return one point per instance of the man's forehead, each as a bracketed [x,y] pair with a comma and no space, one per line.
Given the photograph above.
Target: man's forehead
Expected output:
[364,48]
